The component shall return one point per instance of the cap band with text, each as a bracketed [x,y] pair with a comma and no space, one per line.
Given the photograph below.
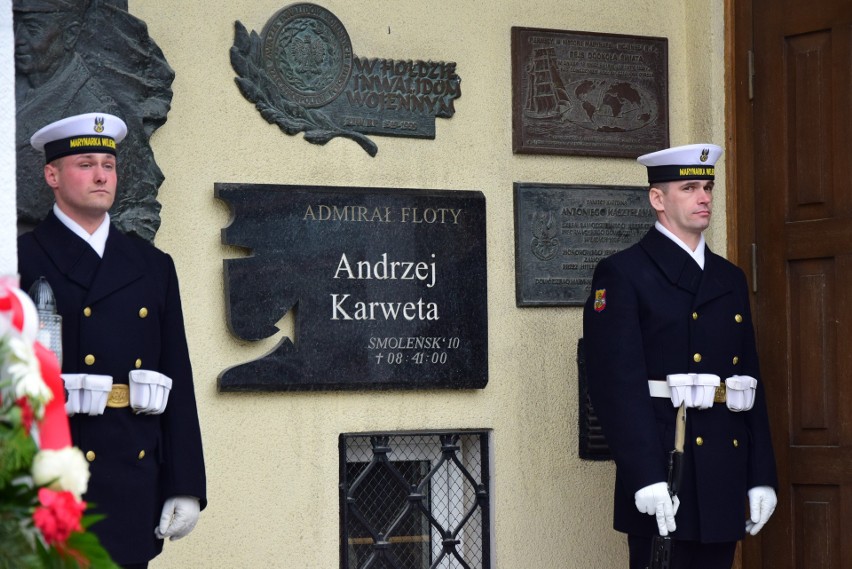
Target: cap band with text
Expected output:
[670,173]
[78,145]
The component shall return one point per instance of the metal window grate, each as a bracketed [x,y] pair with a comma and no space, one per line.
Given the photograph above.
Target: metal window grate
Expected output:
[592,442]
[415,501]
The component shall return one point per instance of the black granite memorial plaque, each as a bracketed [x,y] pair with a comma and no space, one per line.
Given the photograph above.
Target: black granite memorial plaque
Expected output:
[387,287]
[302,75]
[562,231]
[588,94]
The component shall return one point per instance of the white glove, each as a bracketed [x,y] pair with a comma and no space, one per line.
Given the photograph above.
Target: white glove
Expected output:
[654,500]
[761,501]
[180,514]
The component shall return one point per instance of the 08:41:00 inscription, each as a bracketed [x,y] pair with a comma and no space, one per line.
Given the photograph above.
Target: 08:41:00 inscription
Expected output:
[417,350]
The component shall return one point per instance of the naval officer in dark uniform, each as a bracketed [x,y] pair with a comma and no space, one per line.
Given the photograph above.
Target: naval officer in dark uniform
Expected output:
[125,360]
[668,323]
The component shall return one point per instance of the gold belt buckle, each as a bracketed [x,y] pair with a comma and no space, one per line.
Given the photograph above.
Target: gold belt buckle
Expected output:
[119,396]
[721,392]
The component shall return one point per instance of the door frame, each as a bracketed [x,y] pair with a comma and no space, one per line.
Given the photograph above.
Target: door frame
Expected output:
[739,131]
[739,181]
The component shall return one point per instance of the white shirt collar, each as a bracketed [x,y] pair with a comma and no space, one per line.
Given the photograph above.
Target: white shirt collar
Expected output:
[96,240]
[698,254]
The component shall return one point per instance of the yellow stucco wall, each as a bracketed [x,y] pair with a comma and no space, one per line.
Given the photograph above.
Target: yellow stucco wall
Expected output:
[272,459]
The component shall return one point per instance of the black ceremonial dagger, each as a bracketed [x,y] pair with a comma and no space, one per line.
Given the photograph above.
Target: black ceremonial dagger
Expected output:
[661,546]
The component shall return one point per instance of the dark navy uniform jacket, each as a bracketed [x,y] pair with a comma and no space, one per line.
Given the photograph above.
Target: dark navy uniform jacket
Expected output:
[120,313]
[654,312]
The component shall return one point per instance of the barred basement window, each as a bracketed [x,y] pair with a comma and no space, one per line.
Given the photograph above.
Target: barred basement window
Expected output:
[415,501]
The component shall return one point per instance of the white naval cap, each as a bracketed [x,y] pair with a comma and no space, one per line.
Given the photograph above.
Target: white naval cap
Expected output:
[80,134]
[690,162]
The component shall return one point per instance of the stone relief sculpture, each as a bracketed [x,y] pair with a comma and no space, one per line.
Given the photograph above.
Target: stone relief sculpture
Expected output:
[77,56]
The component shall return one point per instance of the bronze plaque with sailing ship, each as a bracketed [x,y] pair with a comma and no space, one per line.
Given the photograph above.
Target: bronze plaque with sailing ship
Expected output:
[588,94]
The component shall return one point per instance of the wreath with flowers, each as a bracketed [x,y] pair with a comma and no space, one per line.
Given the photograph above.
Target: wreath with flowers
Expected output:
[42,477]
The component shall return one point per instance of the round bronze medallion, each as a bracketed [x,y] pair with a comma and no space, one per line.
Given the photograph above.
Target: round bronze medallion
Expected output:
[307,54]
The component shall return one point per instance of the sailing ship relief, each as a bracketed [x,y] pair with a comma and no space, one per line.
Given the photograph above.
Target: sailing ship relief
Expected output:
[546,96]
[598,104]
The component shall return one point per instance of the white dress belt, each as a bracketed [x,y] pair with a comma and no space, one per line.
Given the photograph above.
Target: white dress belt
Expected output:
[701,390]
[659,389]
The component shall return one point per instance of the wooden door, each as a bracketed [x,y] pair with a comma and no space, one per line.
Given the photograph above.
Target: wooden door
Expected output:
[795,147]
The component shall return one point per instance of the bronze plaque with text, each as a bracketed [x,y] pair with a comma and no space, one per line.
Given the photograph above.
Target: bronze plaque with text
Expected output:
[588,94]
[302,74]
[562,231]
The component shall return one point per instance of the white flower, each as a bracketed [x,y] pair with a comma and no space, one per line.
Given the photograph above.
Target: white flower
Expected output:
[63,469]
[23,368]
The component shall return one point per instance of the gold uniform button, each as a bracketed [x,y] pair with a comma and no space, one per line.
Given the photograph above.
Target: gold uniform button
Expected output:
[87,311]
[736,443]
[736,360]
[699,441]
[695,316]
[696,358]
[141,454]
[138,363]
[90,360]
[143,312]
[90,456]
[738,318]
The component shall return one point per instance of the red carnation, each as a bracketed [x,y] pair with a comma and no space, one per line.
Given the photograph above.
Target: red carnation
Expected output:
[58,516]
[26,413]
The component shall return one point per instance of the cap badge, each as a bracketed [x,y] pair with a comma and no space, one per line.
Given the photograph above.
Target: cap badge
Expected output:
[705,153]
[99,124]
[600,300]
